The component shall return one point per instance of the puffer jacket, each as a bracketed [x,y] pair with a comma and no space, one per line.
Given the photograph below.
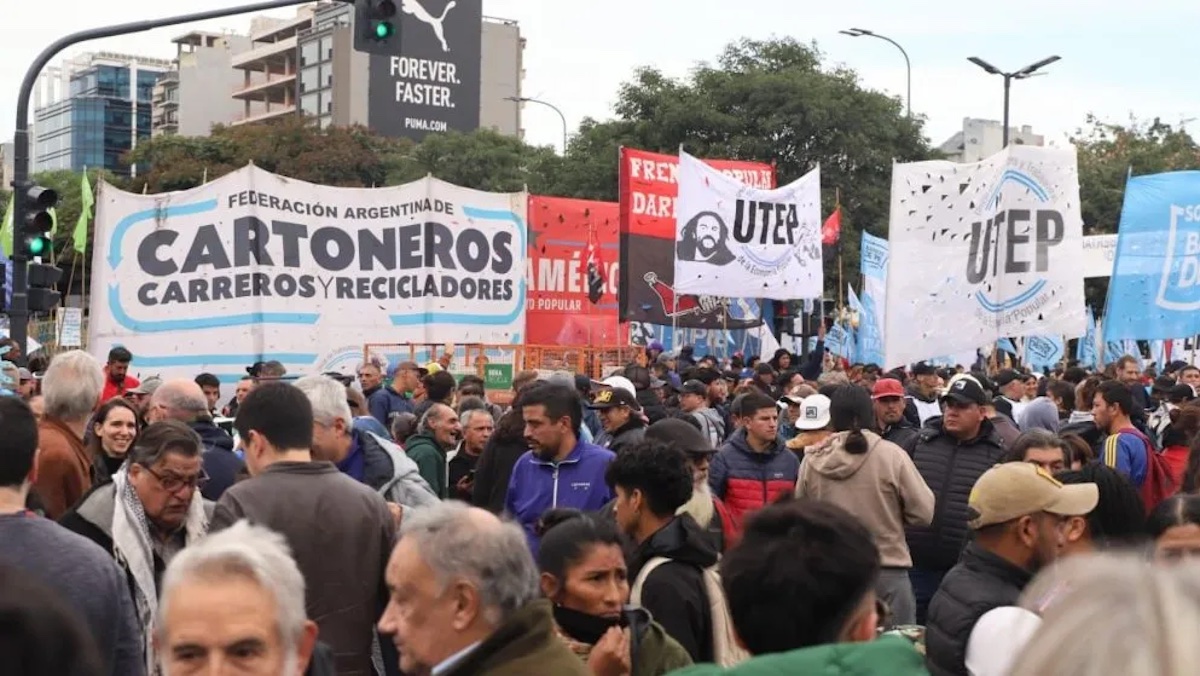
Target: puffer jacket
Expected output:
[982,581]
[950,469]
[889,655]
[747,480]
[628,435]
[392,473]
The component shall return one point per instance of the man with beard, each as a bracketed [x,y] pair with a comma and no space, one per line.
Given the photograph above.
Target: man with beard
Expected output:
[704,240]
[706,509]
[559,470]
[1019,513]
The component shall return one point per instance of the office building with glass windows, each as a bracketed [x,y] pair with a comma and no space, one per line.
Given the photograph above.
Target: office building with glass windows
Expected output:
[92,110]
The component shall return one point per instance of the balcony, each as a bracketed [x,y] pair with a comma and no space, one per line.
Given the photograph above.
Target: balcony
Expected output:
[276,56]
[266,90]
[272,114]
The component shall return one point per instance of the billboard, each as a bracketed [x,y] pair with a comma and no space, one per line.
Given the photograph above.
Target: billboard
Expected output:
[432,83]
[253,267]
[560,311]
[647,193]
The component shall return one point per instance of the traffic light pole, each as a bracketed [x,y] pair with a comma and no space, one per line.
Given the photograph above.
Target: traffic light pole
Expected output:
[18,312]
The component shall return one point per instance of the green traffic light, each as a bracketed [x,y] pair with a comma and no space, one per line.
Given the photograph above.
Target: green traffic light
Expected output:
[384,30]
[38,246]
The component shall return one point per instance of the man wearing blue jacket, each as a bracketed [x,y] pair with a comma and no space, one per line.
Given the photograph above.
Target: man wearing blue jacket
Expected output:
[559,470]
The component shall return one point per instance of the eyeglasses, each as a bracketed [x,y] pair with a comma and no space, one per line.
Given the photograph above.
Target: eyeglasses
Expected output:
[173,484]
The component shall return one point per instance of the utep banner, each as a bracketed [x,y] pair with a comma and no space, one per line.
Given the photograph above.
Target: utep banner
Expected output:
[648,191]
[1043,352]
[874,275]
[1155,287]
[729,236]
[254,266]
[982,251]
[559,311]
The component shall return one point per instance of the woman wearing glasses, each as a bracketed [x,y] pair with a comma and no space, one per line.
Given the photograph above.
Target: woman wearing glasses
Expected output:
[150,511]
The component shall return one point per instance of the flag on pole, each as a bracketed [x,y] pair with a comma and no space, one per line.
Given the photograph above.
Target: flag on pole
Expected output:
[53,221]
[831,230]
[6,229]
[86,201]
[595,271]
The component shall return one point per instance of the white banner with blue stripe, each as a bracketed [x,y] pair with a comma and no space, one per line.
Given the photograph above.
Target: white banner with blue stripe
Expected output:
[255,267]
[982,251]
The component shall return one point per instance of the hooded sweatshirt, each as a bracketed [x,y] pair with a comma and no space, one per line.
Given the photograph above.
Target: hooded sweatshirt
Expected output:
[886,656]
[1040,414]
[881,487]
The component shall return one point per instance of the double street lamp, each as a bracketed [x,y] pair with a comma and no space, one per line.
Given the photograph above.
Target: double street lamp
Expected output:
[860,32]
[1021,74]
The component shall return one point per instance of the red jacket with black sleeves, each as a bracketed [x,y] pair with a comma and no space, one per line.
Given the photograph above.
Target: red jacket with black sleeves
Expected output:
[748,480]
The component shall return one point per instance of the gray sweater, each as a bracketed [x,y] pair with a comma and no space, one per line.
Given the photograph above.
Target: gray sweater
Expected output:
[87,579]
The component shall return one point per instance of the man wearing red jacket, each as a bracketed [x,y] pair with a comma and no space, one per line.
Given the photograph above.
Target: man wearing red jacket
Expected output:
[117,380]
[752,469]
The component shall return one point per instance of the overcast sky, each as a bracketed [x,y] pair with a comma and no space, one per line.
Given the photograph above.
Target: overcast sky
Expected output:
[1118,59]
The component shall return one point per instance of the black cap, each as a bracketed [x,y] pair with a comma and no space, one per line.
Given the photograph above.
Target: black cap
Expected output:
[583,383]
[1005,377]
[694,387]
[613,397]
[763,368]
[922,369]
[683,434]
[966,390]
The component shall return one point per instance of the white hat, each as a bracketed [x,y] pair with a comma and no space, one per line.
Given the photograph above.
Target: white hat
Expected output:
[998,637]
[814,413]
[620,382]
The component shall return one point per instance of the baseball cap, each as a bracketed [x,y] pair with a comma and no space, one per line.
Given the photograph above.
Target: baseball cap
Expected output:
[923,369]
[887,387]
[431,367]
[681,433]
[408,366]
[148,386]
[966,390]
[619,383]
[763,368]
[1015,489]
[614,397]
[791,399]
[814,413]
[1005,377]
[694,387]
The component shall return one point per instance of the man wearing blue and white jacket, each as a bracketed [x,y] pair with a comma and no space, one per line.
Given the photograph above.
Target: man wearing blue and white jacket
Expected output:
[559,470]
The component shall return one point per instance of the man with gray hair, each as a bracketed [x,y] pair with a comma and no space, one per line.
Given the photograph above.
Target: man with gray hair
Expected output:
[237,595]
[71,390]
[363,456]
[437,434]
[477,426]
[464,599]
[183,400]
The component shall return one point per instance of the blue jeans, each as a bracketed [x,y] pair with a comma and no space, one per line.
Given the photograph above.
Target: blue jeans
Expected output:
[925,584]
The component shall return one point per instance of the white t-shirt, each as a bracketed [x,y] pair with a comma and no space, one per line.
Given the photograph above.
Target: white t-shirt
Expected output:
[997,638]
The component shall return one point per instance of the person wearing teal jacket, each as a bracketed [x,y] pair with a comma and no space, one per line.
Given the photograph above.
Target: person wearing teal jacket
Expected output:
[886,656]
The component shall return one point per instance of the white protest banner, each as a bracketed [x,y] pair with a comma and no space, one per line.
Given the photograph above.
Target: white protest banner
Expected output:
[983,251]
[735,240]
[258,267]
[1099,251]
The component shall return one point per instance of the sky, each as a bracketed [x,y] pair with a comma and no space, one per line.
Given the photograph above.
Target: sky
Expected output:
[1118,60]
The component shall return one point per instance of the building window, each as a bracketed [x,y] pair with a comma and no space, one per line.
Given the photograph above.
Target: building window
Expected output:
[310,79]
[310,105]
[326,105]
[326,75]
[327,48]
[310,53]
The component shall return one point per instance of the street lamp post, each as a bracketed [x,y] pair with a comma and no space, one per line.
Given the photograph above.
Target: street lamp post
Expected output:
[860,32]
[526,99]
[1021,74]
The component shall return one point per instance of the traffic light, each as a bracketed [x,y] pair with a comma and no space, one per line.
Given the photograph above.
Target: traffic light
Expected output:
[375,27]
[36,220]
[43,280]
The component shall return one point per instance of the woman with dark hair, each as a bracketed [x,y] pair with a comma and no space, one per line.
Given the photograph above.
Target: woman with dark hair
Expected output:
[114,429]
[876,481]
[1177,435]
[1175,526]
[584,574]
[782,361]
[1119,519]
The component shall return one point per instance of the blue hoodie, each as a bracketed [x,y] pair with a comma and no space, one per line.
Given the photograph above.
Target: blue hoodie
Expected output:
[539,485]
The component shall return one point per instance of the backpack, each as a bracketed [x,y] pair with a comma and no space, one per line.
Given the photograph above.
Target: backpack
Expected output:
[726,651]
[1158,485]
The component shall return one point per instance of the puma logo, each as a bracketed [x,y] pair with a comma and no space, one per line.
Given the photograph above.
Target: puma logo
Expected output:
[418,11]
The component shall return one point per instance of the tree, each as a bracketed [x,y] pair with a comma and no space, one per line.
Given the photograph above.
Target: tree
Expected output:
[483,160]
[1108,154]
[771,101]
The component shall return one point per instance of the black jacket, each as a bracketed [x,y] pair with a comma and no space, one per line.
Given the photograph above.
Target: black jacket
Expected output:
[981,581]
[629,434]
[652,406]
[904,434]
[950,469]
[495,465]
[674,592]
[220,463]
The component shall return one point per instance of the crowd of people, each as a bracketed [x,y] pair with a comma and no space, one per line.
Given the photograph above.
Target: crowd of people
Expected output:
[681,515]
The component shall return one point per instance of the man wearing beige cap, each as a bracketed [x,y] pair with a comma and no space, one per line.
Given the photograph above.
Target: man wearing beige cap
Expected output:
[1018,512]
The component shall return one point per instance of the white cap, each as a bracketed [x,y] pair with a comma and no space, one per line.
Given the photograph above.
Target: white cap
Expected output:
[998,637]
[620,382]
[814,413]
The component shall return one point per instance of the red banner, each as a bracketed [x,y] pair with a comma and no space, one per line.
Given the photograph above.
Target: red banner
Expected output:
[648,188]
[558,310]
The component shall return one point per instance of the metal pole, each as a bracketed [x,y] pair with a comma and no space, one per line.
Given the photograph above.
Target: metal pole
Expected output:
[907,66]
[18,312]
[1007,88]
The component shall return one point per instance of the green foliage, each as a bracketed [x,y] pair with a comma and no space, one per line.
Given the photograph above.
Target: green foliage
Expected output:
[1107,154]
[67,184]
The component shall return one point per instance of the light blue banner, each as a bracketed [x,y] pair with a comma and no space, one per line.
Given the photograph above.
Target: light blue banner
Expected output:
[873,264]
[1007,345]
[837,340]
[1155,287]
[1158,353]
[1043,352]
[1085,347]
